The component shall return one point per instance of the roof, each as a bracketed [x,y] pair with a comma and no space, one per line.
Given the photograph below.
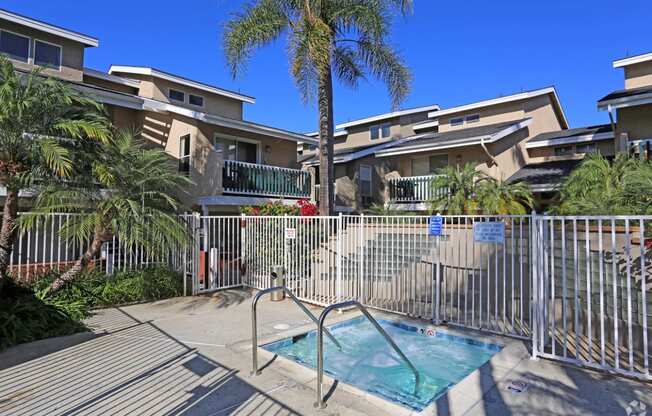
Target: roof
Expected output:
[500,100]
[48,28]
[456,138]
[626,98]
[631,60]
[380,117]
[576,135]
[156,73]
[314,157]
[122,99]
[546,176]
[111,78]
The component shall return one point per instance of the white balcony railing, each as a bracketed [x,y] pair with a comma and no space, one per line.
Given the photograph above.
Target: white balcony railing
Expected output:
[263,180]
[413,189]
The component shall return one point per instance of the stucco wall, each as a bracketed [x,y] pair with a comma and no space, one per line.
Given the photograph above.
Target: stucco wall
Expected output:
[72,61]
[635,121]
[638,75]
[158,89]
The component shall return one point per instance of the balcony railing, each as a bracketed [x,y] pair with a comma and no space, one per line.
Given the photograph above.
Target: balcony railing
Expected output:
[413,189]
[263,180]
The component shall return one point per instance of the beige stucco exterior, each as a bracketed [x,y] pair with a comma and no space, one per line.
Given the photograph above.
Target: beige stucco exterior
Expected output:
[401,126]
[72,53]
[158,89]
[635,122]
[638,75]
[500,160]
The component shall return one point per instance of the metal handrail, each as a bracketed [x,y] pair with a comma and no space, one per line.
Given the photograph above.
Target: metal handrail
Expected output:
[254,322]
[320,346]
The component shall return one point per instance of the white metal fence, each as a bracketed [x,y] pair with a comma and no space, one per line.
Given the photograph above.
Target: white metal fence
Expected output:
[576,286]
[592,302]
[46,247]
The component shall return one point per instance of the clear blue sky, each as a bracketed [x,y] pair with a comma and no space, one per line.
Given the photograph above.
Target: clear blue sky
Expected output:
[459,52]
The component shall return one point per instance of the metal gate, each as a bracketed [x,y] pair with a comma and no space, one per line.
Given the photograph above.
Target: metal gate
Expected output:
[591,301]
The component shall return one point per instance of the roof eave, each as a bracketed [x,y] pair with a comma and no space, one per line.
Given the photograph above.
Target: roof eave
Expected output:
[48,28]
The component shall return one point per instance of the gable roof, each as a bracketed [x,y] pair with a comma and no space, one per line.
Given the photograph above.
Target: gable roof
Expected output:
[379,117]
[456,138]
[48,28]
[156,73]
[576,135]
[506,99]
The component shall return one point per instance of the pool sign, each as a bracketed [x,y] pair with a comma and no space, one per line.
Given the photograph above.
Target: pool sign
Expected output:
[434,225]
[290,233]
[489,232]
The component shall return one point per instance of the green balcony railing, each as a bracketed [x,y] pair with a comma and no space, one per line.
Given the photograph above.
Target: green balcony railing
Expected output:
[263,180]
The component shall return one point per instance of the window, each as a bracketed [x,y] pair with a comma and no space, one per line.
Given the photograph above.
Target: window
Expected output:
[365,181]
[14,46]
[47,55]
[340,171]
[233,148]
[380,131]
[176,95]
[457,121]
[473,118]
[196,100]
[587,148]
[423,166]
[563,150]
[184,154]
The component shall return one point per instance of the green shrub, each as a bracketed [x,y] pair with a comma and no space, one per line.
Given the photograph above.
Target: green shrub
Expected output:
[27,316]
[95,289]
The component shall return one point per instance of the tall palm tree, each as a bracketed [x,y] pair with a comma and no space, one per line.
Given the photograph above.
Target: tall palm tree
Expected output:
[130,193]
[496,197]
[602,187]
[326,38]
[461,185]
[40,119]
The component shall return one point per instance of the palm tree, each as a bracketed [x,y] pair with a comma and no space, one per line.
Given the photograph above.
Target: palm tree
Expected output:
[461,185]
[326,38]
[496,197]
[603,187]
[40,119]
[130,194]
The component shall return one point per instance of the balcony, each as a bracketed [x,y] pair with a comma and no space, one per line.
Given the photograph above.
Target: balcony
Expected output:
[262,180]
[412,189]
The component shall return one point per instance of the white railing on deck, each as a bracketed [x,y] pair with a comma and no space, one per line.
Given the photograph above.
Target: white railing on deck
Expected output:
[413,189]
[264,180]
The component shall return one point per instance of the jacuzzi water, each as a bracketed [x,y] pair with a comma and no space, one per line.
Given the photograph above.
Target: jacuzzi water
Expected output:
[368,362]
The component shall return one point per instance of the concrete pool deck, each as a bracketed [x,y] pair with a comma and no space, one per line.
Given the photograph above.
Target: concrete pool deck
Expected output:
[192,356]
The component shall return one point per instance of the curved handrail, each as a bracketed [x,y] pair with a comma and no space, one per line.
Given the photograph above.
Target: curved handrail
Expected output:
[320,346]
[254,322]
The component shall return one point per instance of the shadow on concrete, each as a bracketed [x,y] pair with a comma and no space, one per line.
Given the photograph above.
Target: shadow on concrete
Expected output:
[137,368]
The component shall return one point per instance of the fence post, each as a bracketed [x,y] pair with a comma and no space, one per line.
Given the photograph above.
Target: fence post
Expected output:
[361,259]
[285,249]
[196,252]
[243,251]
[339,257]
[534,304]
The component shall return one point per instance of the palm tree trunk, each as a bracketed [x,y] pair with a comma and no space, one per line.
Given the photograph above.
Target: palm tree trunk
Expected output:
[7,232]
[80,265]
[326,180]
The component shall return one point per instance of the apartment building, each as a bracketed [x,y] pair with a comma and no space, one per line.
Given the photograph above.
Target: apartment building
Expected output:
[553,155]
[232,161]
[397,170]
[630,109]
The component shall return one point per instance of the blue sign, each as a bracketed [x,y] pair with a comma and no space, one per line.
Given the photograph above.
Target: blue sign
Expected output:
[489,232]
[435,225]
